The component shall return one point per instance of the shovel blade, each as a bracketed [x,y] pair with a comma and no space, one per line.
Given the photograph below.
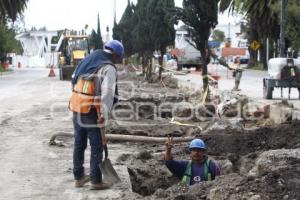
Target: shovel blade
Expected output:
[109,172]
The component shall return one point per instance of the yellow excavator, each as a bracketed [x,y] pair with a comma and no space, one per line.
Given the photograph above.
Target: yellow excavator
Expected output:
[72,48]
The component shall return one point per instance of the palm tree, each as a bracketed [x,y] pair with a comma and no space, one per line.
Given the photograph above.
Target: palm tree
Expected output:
[262,20]
[12,8]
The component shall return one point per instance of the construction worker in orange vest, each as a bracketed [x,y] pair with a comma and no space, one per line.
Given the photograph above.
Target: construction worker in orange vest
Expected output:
[94,92]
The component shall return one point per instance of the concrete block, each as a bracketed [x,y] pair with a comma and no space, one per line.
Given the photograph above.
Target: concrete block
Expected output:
[296,114]
[280,114]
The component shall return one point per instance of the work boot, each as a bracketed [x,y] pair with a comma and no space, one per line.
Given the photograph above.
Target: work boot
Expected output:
[100,186]
[83,180]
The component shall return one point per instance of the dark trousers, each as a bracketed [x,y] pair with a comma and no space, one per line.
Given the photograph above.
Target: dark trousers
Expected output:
[85,127]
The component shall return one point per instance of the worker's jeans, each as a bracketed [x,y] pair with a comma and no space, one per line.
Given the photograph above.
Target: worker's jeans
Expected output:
[82,132]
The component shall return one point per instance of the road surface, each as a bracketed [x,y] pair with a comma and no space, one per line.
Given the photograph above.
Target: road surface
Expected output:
[251,84]
[34,107]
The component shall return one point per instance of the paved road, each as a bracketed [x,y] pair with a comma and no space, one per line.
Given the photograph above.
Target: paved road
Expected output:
[251,84]
[34,107]
[12,82]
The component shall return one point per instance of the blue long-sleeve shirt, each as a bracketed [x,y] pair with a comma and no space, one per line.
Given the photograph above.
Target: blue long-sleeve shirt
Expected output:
[178,169]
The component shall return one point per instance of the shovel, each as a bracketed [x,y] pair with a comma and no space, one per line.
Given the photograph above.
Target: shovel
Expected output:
[106,167]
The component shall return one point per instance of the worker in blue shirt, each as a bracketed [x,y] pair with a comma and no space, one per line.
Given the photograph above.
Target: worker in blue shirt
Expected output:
[199,168]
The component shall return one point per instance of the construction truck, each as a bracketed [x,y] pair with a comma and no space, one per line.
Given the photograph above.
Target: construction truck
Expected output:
[72,48]
[187,55]
[282,73]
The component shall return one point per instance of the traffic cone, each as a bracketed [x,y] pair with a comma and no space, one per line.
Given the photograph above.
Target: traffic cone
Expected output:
[51,73]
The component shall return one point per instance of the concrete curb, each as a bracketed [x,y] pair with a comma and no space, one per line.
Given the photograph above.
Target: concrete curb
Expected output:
[296,114]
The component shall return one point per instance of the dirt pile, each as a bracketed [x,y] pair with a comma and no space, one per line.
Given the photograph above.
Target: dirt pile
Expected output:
[244,155]
[248,152]
[261,163]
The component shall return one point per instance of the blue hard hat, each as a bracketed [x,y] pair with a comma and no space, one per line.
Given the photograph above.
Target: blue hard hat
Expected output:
[197,144]
[116,47]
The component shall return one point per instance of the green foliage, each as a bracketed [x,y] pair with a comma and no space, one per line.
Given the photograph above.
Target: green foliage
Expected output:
[96,37]
[11,8]
[264,19]
[141,31]
[145,27]
[292,22]
[2,69]
[258,66]
[8,43]
[293,26]
[55,39]
[199,16]
[218,35]
[93,40]
[162,31]
[99,41]
[123,30]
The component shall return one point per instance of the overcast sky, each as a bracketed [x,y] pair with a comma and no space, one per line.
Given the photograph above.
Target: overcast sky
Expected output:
[75,14]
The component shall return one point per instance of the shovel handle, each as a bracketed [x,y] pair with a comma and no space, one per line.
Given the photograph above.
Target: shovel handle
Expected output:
[104,142]
[105,151]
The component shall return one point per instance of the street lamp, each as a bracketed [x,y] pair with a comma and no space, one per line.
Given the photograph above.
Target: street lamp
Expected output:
[282,27]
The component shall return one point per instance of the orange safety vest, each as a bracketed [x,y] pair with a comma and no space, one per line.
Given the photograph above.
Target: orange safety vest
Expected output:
[83,97]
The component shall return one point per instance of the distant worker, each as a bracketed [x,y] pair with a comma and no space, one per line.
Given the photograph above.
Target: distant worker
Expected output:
[237,73]
[95,91]
[199,169]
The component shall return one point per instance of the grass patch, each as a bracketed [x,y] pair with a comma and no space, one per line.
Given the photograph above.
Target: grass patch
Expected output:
[258,66]
[2,69]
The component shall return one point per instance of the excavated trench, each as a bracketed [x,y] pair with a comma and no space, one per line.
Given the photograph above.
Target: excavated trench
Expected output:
[235,150]
[271,153]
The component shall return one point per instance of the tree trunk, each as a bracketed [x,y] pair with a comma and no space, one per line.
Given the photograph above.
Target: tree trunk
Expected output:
[204,70]
[144,65]
[149,69]
[263,54]
[161,62]
[253,35]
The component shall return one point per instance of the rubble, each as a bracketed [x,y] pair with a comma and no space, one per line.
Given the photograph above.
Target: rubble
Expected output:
[259,158]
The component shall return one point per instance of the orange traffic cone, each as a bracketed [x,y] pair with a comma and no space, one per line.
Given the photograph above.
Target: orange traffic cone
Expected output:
[51,73]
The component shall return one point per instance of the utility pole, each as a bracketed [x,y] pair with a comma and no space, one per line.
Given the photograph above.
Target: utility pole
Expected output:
[282,27]
[229,38]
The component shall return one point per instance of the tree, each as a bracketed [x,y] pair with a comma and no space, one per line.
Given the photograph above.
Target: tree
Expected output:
[200,16]
[292,23]
[96,37]
[143,44]
[8,43]
[116,31]
[263,19]
[93,39]
[218,35]
[11,8]
[162,30]
[123,30]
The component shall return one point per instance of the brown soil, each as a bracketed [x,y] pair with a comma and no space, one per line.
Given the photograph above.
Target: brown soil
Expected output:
[151,179]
